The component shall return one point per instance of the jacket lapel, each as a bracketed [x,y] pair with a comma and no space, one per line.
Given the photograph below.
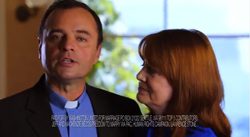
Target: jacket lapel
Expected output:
[39,113]
[99,108]
[102,106]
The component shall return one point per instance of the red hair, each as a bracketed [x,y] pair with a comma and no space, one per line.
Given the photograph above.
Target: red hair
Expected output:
[187,60]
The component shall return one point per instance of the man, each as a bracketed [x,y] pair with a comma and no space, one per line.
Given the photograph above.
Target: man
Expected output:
[70,38]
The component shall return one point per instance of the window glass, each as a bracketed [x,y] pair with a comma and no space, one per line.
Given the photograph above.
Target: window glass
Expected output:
[226,22]
[233,59]
[138,17]
[210,16]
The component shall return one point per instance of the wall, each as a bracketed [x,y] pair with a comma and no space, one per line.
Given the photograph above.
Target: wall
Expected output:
[2,50]
[22,64]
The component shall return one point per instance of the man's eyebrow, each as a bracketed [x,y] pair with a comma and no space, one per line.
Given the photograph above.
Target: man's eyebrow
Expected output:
[83,32]
[55,30]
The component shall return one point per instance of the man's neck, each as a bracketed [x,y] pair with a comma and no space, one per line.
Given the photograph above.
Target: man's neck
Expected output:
[70,90]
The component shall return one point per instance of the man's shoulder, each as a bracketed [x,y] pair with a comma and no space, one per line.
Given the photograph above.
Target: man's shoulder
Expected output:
[13,108]
[15,100]
[22,95]
[112,101]
[107,95]
[20,98]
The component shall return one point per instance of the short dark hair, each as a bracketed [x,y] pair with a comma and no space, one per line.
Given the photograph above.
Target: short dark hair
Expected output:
[67,4]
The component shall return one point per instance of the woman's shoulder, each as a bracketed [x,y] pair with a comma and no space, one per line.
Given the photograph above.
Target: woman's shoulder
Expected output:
[200,131]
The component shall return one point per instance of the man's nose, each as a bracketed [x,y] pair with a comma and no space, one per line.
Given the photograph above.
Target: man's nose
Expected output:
[69,44]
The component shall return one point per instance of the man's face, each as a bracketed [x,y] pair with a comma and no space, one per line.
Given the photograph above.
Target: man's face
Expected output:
[69,46]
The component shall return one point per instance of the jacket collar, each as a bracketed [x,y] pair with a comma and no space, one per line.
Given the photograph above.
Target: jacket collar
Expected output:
[39,113]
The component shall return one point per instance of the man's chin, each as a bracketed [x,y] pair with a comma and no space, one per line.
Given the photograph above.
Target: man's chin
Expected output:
[65,78]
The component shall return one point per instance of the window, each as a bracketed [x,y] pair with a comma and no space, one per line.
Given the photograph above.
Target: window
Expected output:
[225,22]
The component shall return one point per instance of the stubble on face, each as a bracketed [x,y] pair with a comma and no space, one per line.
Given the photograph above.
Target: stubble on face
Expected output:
[70,59]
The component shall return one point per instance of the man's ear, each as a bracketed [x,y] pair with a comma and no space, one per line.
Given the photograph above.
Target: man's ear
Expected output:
[39,47]
[98,53]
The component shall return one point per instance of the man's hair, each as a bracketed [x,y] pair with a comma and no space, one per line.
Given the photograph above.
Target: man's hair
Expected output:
[68,4]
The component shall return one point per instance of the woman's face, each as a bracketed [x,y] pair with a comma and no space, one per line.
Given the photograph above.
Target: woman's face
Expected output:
[154,90]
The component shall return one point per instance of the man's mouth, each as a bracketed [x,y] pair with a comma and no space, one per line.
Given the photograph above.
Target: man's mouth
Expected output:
[68,60]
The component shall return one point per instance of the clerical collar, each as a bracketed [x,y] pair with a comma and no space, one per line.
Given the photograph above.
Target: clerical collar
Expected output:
[63,103]
[71,104]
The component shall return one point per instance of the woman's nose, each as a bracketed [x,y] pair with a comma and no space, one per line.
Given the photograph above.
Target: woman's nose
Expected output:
[140,75]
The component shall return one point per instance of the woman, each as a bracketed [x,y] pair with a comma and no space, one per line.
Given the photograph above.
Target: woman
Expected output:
[180,76]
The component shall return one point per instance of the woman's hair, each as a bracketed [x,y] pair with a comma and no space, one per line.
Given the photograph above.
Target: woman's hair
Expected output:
[187,60]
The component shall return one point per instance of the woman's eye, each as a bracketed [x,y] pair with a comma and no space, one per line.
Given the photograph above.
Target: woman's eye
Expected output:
[150,70]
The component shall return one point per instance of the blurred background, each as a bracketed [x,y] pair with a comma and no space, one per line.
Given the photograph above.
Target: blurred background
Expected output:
[226,22]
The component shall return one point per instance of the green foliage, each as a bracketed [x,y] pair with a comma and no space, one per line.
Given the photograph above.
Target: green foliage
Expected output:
[115,71]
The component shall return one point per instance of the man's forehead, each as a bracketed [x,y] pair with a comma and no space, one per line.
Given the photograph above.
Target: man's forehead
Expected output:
[48,31]
[77,20]
[70,12]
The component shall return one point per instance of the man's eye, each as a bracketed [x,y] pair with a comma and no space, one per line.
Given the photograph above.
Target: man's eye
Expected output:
[80,39]
[55,37]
